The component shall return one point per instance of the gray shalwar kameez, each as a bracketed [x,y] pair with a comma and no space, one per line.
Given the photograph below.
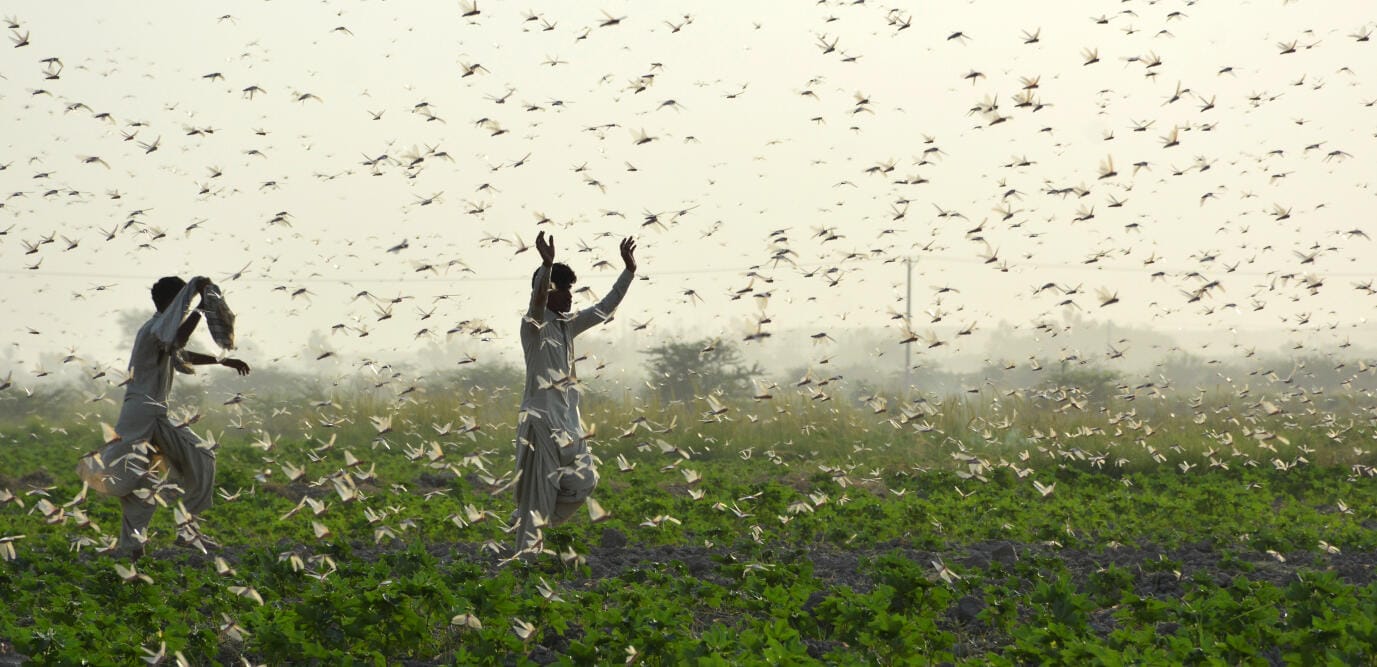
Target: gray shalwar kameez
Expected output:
[121,467]
[554,468]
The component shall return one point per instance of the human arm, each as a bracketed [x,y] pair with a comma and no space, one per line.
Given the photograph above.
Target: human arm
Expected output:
[188,326]
[172,327]
[198,359]
[540,292]
[597,314]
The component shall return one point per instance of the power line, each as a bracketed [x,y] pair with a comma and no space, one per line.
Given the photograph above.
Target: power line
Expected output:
[331,279]
[1080,266]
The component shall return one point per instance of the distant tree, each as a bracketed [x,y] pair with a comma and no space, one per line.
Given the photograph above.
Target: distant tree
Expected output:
[1188,370]
[681,370]
[1096,382]
[130,319]
[214,385]
[52,403]
[487,375]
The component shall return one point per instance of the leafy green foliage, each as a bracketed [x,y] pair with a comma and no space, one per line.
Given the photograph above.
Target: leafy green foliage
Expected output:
[836,543]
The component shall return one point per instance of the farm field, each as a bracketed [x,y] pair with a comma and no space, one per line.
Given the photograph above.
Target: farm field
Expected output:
[813,535]
[962,333]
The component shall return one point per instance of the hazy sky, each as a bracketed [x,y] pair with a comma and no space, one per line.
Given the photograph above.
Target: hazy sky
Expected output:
[764,116]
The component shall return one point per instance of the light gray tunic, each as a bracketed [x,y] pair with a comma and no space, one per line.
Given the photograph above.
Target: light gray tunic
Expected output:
[555,471]
[121,467]
[151,368]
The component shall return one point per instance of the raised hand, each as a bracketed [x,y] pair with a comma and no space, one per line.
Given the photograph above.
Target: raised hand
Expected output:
[629,253]
[239,366]
[546,248]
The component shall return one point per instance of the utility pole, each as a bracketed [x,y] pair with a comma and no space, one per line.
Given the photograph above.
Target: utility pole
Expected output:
[908,315]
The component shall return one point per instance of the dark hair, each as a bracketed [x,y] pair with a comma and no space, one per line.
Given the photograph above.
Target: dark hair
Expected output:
[165,290]
[561,276]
